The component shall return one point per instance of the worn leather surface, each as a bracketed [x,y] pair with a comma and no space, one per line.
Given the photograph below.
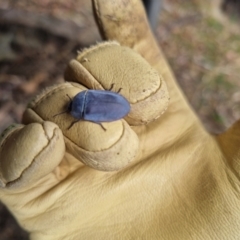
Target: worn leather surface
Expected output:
[158,175]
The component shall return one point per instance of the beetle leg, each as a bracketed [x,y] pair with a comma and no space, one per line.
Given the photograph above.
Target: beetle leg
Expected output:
[119,90]
[73,124]
[102,126]
[93,122]
[67,107]
[111,87]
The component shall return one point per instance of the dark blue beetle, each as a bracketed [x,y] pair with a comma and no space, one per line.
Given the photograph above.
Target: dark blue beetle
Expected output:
[98,106]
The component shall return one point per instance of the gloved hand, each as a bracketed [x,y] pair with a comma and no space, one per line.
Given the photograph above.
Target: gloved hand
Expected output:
[162,179]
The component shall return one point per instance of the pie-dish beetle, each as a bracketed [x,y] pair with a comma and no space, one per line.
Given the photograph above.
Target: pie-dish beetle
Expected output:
[98,106]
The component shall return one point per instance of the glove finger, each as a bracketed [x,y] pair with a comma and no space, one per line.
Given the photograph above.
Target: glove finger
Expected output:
[126,22]
[29,152]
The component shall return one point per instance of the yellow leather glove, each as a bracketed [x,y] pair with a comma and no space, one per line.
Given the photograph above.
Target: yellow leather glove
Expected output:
[139,179]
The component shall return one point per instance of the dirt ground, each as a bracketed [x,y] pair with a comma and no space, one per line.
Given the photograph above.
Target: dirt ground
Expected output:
[201,43]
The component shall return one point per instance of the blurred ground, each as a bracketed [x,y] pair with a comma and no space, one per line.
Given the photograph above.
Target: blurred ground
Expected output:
[38,39]
[204,52]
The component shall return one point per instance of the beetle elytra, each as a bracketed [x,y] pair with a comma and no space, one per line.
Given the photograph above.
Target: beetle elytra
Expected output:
[97,106]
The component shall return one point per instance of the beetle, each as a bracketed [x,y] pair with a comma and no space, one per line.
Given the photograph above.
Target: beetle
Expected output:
[98,106]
